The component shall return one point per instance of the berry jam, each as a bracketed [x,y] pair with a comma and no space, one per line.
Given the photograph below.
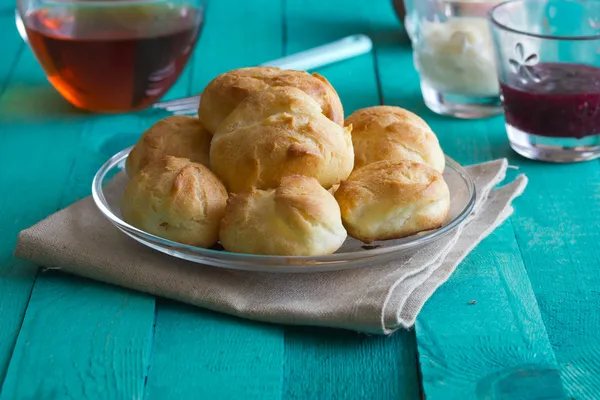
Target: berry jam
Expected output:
[564,103]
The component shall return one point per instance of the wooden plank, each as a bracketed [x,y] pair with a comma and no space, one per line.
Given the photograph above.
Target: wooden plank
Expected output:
[100,354]
[15,284]
[205,355]
[237,34]
[467,349]
[333,364]
[7,6]
[483,331]
[103,137]
[557,237]
[555,264]
[29,99]
[558,234]
[12,47]
[198,353]
[29,186]
[100,341]
[78,342]
[311,23]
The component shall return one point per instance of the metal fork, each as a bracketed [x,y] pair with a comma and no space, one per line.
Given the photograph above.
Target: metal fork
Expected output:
[348,47]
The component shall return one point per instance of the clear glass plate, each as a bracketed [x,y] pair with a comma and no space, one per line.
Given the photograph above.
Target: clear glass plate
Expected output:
[110,181]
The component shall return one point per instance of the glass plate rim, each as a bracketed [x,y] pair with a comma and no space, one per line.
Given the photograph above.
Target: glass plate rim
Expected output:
[224,256]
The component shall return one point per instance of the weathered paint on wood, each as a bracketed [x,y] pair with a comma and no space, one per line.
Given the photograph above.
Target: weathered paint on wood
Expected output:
[558,232]
[80,308]
[81,338]
[31,180]
[502,346]
[344,365]
[216,356]
[205,355]
[481,335]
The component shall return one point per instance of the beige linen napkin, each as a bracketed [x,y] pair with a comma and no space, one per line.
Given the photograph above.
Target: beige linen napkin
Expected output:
[376,299]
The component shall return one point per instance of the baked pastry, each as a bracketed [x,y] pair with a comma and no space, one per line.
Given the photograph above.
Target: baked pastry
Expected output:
[299,218]
[393,199]
[223,94]
[178,136]
[276,133]
[394,134]
[176,199]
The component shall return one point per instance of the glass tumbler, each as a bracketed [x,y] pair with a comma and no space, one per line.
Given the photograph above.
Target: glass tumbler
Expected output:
[454,55]
[548,57]
[111,56]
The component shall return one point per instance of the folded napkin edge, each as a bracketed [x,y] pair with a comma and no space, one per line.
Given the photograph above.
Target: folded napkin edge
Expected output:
[513,189]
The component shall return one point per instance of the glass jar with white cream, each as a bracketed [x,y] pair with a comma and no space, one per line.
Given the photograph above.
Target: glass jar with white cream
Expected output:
[453,52]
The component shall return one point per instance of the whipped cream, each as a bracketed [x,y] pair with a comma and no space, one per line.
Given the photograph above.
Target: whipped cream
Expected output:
[457,56]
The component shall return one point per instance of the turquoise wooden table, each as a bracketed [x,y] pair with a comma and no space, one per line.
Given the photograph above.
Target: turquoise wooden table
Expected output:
[519,319]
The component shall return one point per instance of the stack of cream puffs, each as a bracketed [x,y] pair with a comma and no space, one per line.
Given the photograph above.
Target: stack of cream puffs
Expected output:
[270,167]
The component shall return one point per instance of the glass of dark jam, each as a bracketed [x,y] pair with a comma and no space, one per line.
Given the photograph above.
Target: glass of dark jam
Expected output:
[548,61]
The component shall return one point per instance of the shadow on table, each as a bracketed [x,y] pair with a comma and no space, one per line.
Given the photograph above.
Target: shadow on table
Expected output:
[301,333]
[386,37]
[315,335]
[382,33]
[184,310]
[308,335]
[33,103]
